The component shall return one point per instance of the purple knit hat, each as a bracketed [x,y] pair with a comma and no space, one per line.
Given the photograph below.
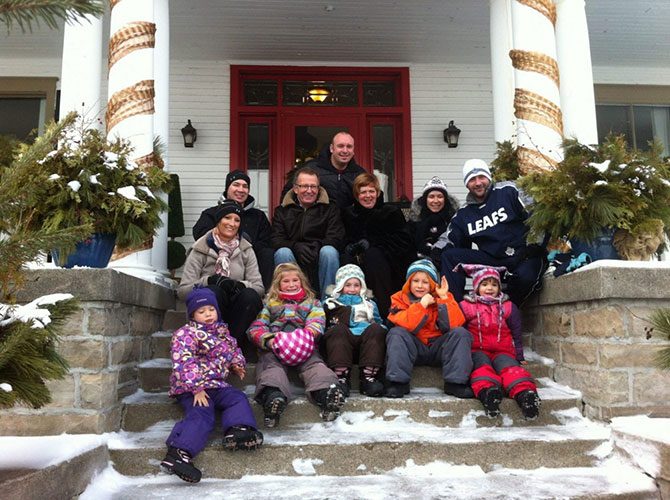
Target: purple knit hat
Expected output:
[479,273]
[198,297]
[293,348]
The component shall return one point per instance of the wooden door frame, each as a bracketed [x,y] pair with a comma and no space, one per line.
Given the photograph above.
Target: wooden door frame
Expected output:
[402,112]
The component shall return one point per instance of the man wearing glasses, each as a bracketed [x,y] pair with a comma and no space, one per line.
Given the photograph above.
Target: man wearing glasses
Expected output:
[307,229]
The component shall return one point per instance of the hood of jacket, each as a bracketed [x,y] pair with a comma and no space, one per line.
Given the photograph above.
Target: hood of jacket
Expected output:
[291,198]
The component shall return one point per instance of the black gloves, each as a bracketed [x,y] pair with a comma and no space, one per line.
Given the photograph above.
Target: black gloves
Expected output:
[357,248]
[229,286]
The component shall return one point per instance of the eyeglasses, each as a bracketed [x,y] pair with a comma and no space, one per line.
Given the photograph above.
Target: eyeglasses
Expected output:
[308,187]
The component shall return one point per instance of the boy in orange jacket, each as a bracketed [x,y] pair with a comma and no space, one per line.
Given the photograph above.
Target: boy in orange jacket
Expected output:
[429,332]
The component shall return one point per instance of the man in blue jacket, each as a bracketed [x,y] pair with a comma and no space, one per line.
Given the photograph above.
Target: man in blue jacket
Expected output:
[493,218]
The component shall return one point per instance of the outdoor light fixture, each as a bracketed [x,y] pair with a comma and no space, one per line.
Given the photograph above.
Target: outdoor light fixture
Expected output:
[318,94]
[191,134]
[451,134]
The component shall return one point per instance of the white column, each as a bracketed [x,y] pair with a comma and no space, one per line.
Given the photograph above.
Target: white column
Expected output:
[537,104]
[574,62]
[130,105]
[81,70]
[162,118]
[502,71]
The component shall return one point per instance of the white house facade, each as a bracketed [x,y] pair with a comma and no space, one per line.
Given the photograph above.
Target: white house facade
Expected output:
[393,73]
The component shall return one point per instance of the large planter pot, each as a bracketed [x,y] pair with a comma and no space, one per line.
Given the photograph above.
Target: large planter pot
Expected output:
[95,251]
[600,248]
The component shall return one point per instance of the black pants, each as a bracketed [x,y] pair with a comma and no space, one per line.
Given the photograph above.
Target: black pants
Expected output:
[239,312]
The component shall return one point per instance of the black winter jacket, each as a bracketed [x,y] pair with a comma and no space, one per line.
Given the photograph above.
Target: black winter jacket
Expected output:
[384,227]
[254,225]
[305,231]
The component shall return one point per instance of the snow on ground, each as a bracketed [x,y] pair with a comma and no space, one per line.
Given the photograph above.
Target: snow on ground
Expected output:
[43,451]
[647,451]
[433,480]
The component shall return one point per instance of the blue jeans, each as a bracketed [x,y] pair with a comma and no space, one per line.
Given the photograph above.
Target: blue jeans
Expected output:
[329,262]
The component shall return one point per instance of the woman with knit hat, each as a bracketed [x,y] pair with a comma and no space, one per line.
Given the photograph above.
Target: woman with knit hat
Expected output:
[254,224]
[497,350]
[428,331]
[355,331]
[226,263]
[430,214]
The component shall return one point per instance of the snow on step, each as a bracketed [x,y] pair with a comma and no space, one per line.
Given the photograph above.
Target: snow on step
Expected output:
[437,479]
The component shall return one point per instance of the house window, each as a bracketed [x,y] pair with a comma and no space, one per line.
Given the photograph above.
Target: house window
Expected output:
[21,116]
[641,124]
[26,104]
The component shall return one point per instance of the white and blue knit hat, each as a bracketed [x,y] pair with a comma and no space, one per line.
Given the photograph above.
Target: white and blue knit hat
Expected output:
[347,272]
[473,168]
[424,266]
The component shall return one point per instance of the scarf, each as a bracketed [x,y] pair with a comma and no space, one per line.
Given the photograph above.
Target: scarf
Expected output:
[225,249]
[295,296]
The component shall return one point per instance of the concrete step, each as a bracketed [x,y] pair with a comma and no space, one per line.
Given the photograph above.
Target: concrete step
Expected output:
[174,319]
[154,375]
[358,442]
[425,405]
[433,480]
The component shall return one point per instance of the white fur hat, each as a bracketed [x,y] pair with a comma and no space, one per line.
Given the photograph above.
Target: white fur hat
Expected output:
[473,168]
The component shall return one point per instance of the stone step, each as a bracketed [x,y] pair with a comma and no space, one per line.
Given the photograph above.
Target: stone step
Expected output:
[160,344]
[174,319]
[358,443]
[433,480]
[425,405]
[154,375]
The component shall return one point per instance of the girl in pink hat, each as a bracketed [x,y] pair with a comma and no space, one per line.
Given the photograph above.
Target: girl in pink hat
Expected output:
[497,351]
[286,331]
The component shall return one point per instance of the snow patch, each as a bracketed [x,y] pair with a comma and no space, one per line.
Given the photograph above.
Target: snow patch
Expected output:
[305,466]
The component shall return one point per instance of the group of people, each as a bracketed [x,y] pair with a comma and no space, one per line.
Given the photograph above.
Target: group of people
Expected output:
[349,282]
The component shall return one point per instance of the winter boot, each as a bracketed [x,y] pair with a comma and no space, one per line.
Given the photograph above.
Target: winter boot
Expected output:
[179,462]
[242,437]
[491,397]
[395,389]
[330,401]
[529,402]
[344,379]
[463,391]
[368,382]
[274,403]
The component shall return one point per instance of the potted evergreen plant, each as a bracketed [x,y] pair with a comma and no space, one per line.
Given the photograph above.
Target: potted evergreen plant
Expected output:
[600,192]
[88,179]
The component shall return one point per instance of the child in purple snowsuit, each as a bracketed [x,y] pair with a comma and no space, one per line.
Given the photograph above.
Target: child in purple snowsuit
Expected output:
[203,354]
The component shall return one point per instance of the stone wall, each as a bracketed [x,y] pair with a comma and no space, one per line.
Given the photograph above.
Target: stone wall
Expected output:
[593,323]
[103,343]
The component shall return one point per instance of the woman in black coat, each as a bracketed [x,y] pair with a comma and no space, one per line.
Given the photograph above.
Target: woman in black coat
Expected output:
[377,239]
[430,215]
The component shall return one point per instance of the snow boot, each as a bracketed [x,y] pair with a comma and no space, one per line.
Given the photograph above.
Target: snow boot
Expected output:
[463,391]
[179,462]
[274,403]
[491,397]
[242,437]
[529,402]
[329,401]
[395,390]
[369,384]
[344,379]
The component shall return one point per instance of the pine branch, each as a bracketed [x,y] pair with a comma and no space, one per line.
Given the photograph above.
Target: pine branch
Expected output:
[26,12]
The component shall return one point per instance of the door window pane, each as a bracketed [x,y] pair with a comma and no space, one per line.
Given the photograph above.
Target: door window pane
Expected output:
[383,154]
[258,163]
[379,94]
[260,93]
[318,93]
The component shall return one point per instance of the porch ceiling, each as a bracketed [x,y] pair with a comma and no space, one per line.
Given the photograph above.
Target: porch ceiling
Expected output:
[623,32]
